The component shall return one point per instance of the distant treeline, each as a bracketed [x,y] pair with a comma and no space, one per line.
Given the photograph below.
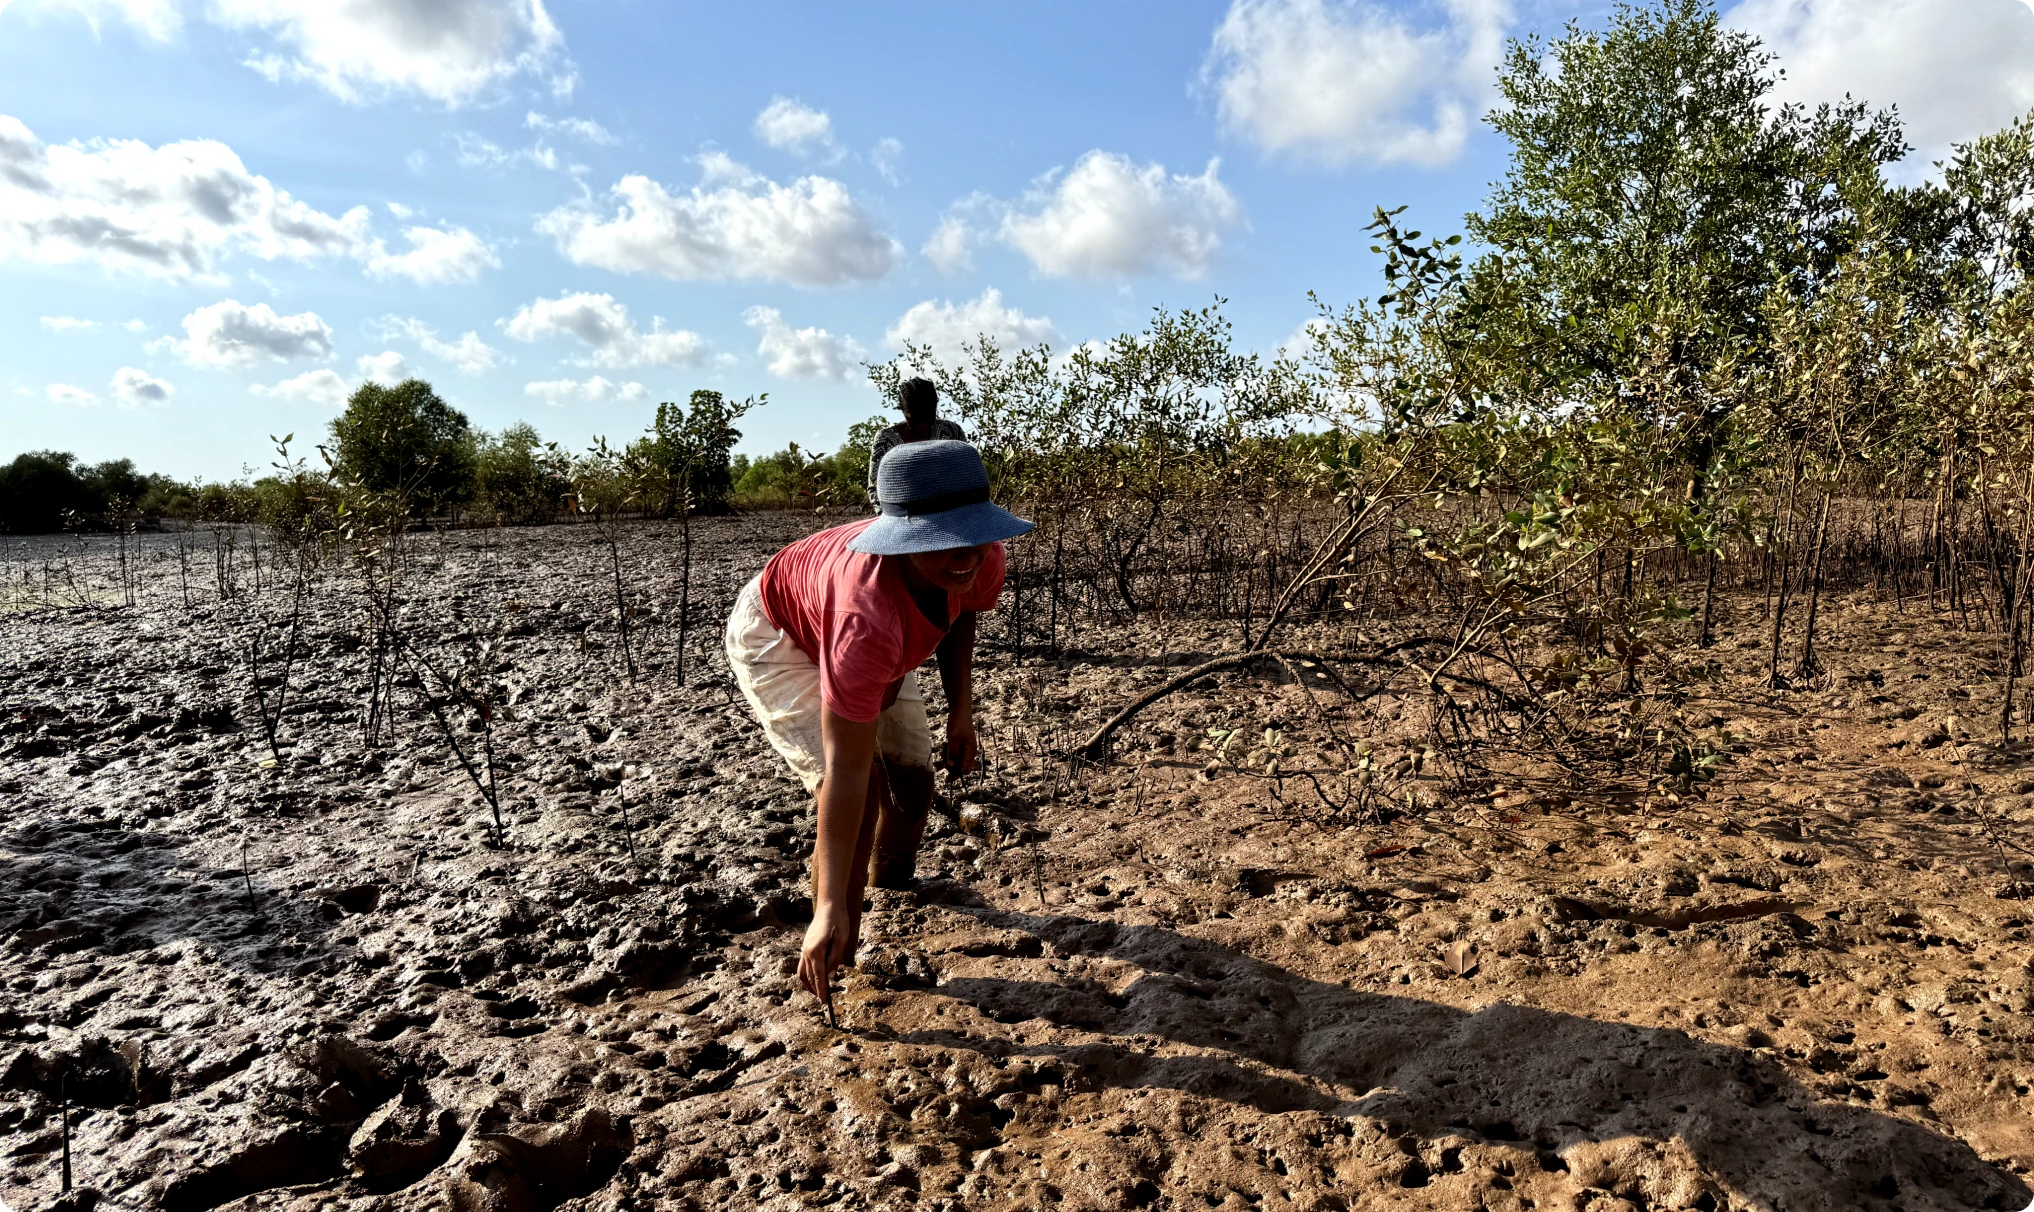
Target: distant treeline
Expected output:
[405,440]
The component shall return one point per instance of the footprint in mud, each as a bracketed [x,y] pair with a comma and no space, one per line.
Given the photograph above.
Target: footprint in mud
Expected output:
[1626,1107]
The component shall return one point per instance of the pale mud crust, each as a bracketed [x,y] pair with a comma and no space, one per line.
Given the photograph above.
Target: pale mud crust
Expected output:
[1798,989]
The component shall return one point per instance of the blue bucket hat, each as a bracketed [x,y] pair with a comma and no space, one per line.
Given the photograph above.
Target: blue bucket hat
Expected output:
[935,497]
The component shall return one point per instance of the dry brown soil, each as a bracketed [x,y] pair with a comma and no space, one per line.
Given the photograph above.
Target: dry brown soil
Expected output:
[315,985]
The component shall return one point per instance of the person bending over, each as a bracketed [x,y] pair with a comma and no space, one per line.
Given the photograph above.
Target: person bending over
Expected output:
[825,642]
[922,423]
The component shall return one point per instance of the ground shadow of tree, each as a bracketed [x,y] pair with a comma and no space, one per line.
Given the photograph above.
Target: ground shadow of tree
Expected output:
[1554,1084]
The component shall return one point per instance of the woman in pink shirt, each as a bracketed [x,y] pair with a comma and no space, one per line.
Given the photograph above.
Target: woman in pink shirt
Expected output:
[825,644]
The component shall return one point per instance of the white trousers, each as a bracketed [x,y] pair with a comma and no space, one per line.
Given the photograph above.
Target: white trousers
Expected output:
[781,684]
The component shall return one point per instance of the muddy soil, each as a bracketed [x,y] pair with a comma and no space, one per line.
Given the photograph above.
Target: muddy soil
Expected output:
[315,983]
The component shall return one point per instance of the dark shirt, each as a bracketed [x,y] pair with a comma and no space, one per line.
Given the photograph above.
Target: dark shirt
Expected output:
[897,435]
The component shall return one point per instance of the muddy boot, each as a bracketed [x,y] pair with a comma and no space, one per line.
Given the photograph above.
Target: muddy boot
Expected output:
[894,861]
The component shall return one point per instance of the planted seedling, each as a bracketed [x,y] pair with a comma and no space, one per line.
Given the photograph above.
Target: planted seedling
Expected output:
[246,874]
[471,684]
[64,1097]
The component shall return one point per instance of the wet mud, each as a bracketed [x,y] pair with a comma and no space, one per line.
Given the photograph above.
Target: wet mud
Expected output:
[316,982]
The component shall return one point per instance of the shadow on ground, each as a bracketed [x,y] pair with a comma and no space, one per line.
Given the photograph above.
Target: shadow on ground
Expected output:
[1629,1108]
[94,887]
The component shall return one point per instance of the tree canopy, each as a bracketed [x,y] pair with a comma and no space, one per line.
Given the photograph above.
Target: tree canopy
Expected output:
[406,441]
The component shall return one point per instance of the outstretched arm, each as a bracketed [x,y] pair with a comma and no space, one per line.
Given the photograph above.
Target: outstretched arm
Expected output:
[957,679]
[849,748]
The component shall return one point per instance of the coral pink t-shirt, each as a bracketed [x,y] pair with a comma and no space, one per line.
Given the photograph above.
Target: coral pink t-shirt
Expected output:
[853,615]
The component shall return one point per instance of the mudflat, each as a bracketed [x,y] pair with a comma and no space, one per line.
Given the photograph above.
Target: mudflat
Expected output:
[308,975]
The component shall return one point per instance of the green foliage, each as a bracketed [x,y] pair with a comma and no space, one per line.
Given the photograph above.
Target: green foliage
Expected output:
[607,483]
[851,461]
[46,491]
[406,442]
[1653,204]
[791,478]
[518,478]
[686,452]
[39,489]
[796,478]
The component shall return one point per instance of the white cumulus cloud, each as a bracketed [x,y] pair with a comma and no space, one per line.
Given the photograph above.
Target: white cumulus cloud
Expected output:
[169,211]
[176,211]
[386,368]
[133,387]
[469,354]
[962,229]
[1113,218]
[436,256]
[323,387]
[230,335]
[68,323]
[951,247]
[1341,80]
[733,225]
[801,353]
[791,125]
[947,328]
[64,393]
[604,325]
[596,390]
[451,51]
[1956,71]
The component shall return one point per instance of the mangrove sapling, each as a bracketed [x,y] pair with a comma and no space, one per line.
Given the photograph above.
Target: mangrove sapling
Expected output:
[470,684]
[224,543]
[375,529]
[604,484]
[2021,608]
[246,875]
[685,464]
[300,542]
[1807,666]
[123,518]
[685,511]
[271,713]
[64,1100]
[184,564]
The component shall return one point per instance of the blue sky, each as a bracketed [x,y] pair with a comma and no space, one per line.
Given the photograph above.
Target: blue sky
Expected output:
[219,216]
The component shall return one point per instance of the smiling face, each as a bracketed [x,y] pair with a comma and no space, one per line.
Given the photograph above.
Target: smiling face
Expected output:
[953,570]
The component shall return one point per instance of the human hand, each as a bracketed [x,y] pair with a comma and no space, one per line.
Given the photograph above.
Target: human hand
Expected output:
[829,942]
[962,752]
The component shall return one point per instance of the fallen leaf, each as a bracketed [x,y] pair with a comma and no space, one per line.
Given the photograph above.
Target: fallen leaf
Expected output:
[1383,852]
[1461,957]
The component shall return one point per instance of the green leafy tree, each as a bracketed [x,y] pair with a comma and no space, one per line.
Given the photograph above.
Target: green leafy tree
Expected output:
[1653,200]
[45,491]
[38,489]
[406,442]
[1987,195]
[851,462]
[791,478]
[520,478]
[691,447]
